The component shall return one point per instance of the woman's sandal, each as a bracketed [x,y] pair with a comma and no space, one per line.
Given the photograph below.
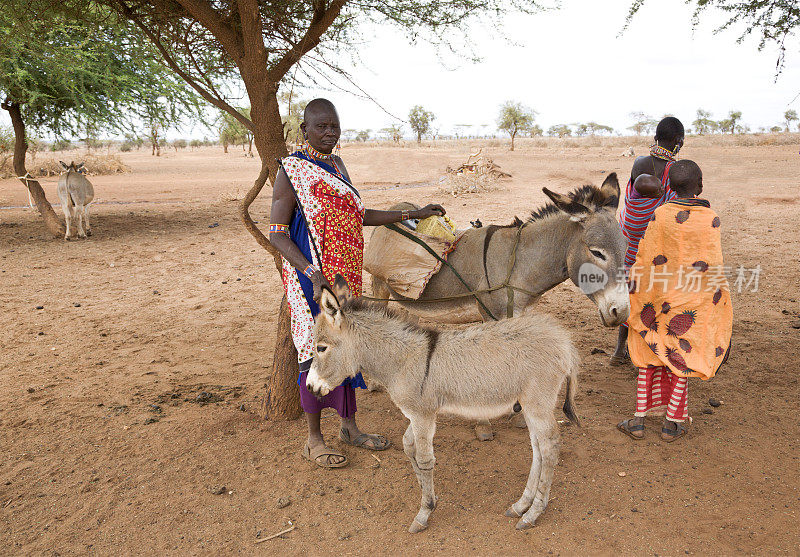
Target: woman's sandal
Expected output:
[369,441]
[627,428]
[313,454]
[673,434]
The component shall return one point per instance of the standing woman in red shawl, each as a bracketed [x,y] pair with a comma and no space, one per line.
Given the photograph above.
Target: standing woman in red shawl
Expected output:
[317,224]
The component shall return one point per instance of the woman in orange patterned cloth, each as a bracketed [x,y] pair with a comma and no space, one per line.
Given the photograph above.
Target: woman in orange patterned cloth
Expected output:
[681,313]
[316,224]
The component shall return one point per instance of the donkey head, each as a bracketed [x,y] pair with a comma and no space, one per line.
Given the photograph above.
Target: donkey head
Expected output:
[334,356]
[596,254]
[72,166]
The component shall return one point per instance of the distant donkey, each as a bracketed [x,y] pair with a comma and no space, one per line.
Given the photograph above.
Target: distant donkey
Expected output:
[481,372]
[75,193]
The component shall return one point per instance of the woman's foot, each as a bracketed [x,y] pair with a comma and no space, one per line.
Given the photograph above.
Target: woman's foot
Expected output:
[352,435]
[633,428]
[671,431]
[323,456]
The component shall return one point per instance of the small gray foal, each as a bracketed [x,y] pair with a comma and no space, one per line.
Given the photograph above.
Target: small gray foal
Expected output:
[480,372]
[75,193]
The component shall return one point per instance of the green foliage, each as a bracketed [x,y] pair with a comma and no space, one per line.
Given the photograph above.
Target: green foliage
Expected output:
[179,144]
[292,116]
[393,132]
[70,76]
[703,124]
[514,118]
[420,121]
[776,129]
[61,145]
[6,146]
[126,147]
[363,135]
[643,123]
[231,130]
[594,128]
[535,130]
[559,130]
[790,116]
[195,143]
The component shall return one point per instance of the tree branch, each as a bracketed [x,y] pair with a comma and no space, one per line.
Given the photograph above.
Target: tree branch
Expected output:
[215,100]
[323,18]
[205,14]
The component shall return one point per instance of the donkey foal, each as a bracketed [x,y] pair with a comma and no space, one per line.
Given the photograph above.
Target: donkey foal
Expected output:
[477,373]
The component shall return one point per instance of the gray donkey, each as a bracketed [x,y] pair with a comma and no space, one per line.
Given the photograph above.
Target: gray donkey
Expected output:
[75,193]
[575,237]
[480,372]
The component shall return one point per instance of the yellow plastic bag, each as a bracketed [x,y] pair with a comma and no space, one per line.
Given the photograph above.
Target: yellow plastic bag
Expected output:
[438,227]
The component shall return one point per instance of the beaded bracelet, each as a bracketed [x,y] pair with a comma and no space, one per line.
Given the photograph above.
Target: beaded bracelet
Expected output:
[309,271]
[405,215]
[279,228]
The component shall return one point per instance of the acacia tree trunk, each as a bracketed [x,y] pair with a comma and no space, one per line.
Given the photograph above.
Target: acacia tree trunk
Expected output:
[51,220]
[282,400]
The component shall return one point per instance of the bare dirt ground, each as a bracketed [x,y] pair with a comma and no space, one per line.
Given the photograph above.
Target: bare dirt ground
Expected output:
[107,444]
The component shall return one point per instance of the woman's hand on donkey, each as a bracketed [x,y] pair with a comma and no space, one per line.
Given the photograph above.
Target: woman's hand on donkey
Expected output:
[319,280]
[430,210]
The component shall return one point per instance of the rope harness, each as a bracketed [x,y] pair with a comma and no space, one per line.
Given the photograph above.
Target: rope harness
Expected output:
[26,179]
[510,288]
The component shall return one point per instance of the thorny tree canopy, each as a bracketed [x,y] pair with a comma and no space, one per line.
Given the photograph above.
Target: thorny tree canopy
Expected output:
[71,77]
[208,41]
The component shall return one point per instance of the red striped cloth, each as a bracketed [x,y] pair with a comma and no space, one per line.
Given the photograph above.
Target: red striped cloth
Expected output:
[658,389]
[636,214]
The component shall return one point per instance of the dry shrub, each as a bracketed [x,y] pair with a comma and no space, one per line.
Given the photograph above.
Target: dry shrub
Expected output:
[464,183]
[95,165]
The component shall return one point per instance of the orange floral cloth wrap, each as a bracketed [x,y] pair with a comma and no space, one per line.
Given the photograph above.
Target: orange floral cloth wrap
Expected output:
[681,314]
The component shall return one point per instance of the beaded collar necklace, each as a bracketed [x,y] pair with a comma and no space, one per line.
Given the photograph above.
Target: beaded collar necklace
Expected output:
[317,154]
[659,152]
[325,157]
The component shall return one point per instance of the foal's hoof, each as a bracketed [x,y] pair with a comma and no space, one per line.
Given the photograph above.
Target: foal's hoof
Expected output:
[524,524]
[511,513]
[66,238]
[88,232]
[416,527]
[518,420]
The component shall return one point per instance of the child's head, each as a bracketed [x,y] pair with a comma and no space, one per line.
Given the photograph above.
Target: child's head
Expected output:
[686,178]
[649,186]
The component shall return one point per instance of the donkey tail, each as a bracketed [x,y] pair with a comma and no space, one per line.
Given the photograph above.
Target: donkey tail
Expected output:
[572,387]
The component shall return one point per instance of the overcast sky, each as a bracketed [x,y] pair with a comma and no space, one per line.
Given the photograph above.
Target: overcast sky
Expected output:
[571,65]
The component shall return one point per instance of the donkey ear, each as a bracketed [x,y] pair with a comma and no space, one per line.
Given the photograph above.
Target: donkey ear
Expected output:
[341,289]
[63,165]
[577,211]
[328,303]
[610,191]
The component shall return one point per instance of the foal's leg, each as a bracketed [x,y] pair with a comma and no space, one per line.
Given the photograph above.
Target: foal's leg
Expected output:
[86,220]
[546,430]
[423,430]
[520,507]
[79,217]
[67,208]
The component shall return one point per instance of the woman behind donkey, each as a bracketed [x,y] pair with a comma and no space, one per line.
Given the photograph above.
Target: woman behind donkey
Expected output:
[641,203]
[316,225]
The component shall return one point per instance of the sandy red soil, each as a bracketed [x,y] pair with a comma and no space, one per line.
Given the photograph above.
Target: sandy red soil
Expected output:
[171,297]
